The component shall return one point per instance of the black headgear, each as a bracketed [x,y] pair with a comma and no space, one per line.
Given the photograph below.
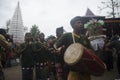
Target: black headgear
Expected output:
[77,18]
[60,30]
[2,31]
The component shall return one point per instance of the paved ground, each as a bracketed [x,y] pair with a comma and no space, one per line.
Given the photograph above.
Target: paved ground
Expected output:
[14,73]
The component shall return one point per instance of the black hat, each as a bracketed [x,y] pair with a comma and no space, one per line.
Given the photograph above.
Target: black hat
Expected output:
[2,31]
[77,18]
[60,30]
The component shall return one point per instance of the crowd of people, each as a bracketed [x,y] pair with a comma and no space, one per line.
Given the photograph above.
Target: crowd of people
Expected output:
[46,56]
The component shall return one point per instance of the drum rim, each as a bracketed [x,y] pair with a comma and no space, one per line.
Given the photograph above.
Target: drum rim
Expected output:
[78,57]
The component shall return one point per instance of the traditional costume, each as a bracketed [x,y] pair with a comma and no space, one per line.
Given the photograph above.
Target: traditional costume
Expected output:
[66,40]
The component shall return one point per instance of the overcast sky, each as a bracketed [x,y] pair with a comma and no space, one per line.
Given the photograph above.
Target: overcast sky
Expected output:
[48,14]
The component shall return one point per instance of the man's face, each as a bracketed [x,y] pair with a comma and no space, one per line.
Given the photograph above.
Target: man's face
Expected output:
[50,41]
[41,37]
[28,37]
[59,34]
[36,36]
[78,26]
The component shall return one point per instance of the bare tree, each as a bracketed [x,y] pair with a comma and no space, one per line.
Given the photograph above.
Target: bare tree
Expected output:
[114,5]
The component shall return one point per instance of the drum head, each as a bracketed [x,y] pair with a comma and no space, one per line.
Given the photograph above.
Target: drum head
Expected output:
[73,53]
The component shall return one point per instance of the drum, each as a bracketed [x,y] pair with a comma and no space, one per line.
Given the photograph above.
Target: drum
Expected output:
[81,59]
[4,43]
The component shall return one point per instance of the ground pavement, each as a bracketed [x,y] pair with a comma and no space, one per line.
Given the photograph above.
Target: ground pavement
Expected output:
[14,73]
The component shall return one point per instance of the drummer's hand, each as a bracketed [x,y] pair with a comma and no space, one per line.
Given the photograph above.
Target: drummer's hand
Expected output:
[52,50]
[61,49]
[57,50]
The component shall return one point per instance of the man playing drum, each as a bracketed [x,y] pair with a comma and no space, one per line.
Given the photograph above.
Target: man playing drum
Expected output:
[75,37]
[67,39]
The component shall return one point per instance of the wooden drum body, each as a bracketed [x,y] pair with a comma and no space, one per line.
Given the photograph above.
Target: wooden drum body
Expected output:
[83,60]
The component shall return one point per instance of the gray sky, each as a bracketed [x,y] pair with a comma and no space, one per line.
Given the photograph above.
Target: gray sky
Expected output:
[48,14]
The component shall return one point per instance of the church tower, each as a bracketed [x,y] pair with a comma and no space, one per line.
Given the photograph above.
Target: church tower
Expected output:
[16,28]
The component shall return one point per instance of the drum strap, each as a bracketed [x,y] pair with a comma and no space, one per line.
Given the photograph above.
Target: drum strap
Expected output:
[73,34]
[73,37]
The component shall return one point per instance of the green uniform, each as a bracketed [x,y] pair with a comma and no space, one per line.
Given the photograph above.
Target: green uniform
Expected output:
[41,65]
[27,61]
[27,56]
[39,53]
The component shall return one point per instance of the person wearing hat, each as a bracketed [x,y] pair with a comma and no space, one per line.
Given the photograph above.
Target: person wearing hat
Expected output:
[59,57]
[67,39]
[59,31]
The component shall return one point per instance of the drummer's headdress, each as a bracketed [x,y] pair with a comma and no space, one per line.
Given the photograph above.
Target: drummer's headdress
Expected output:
[2,31]
[77,18]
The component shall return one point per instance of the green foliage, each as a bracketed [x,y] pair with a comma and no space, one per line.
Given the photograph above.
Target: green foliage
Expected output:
[93,23]
[94,27]
[34,31]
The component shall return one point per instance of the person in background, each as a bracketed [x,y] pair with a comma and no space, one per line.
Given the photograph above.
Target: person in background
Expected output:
[59,57]
[9,54]
[27,57]
[115,43]
[108,55]
[51,57]
[37,57]
[59,32]
[41,62]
